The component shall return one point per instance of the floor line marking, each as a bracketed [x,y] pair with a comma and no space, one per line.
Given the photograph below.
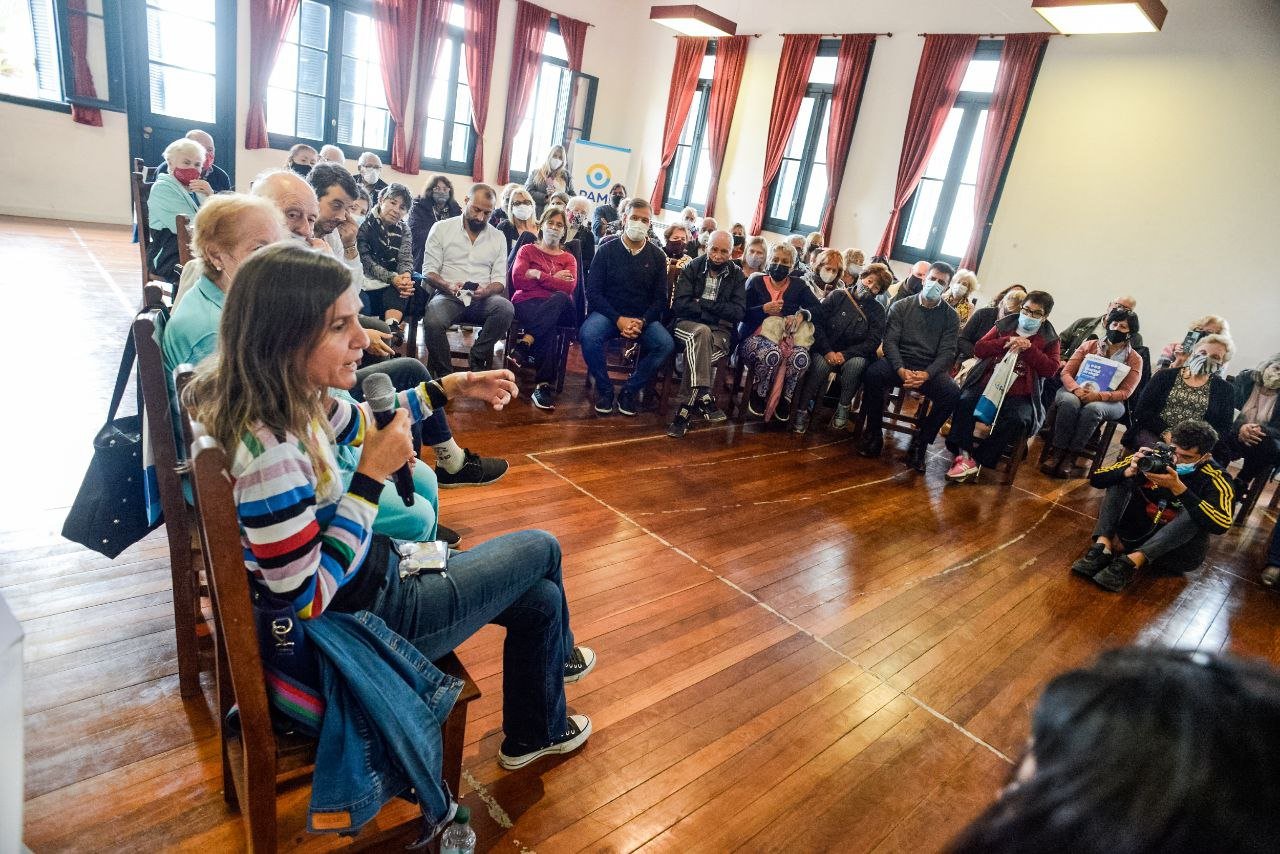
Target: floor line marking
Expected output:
[102,271]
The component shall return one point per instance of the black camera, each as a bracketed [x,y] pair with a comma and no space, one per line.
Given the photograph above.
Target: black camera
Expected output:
[1159,461]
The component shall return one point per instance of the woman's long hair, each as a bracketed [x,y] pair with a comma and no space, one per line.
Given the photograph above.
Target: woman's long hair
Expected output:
[1148,750]
[273,316]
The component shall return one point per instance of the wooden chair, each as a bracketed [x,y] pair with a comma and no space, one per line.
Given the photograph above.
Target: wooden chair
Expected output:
[897,417]
[185,561]
[140,189]
[184,239]
[1253,491]
[1012,458]
[254,758]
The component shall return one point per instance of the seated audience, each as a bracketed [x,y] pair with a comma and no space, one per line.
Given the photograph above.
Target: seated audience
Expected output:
[964,284]
[1096,327]
[1255,434]
[919,350]
[332,154]
[689,217]
[324,556]
[500,215]
[675,240]
[814,240]
[854,261]
[914,281]
[754,255]
[825,272]
[886,299]
[1175,353]
[301,158]
[1194,391]
[1033,338]
[1079,408]
[739,233]
[1146,751]
[776,333]
[1161,516]
[210,173]
[844,343]
[710,300]
[178,191]
[801,246]
[435,203]
[465,264]
[386,255]
[551,177]
[702,235]
[522,218]
[369,174]
[605,218]
[626,296]
[543,279]
[578,215]
[1008,301]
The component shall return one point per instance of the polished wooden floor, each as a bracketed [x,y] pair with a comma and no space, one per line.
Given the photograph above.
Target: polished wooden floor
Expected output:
[800,649]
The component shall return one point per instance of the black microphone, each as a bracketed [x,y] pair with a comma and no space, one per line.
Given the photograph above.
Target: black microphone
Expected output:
[380,394]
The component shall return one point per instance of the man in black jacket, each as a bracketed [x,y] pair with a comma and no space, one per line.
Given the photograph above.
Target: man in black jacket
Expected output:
[710,299]
[845,341]
[1159,518]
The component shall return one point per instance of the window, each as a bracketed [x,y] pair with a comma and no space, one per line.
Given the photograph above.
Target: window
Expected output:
[798,194]
[29,50]
[937,222]
[38,65]
[689,178]
[548,113]
[327,82]
[181,40]
[450,138]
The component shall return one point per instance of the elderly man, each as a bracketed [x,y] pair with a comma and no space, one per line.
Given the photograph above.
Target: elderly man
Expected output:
[706,226]
[465,264]
[710,300]
[332,154]
[369,172]
[216,178]
[1087,328]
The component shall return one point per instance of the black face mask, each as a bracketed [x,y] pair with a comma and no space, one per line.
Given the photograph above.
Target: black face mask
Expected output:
[738,240]
[616,200]
[301,168]
[476,225]
[778,272]
[674,248]
[1115,336]
[713,266]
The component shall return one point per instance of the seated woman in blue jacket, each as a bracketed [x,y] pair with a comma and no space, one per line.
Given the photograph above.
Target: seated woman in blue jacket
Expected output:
[775,293]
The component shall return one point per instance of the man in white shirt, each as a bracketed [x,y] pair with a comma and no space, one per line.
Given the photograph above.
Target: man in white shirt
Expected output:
[465,263]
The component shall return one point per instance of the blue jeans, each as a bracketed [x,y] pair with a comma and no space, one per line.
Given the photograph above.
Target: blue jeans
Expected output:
[655,346]
[513,581]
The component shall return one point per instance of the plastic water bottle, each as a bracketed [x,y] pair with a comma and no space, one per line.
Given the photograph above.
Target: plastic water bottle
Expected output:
[459,838]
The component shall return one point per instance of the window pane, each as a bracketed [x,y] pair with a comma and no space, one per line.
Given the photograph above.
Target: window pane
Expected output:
[786,194]
[922,213]
[799,133]
[438,95]
[285,73]
[820,153]
[680,171]
[691,120]
[282,105]
[347,80]
[181,40]
[708,69]
[312,71]
[362,115]
[457,15]
[29,50]
[815,197]
[824,70]
[980,76]
[183,94]
[433,149]
[462,104]
[315,25]
[941,157]
[553,45]
[461,141]
[310,117]
[970,175]
[701,179]
[201,11]
[961,226]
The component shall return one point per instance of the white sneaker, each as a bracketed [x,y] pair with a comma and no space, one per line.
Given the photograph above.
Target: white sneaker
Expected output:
[579,732]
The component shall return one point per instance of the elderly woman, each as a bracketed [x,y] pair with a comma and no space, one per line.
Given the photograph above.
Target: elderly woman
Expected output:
[824,274]
[776,333]
[578,215]
[1080,407]
[1194,391]
[543,278]
[176,192]
[854,261]
[1175,353]
[437,202]
[521,217]
[291,322]
[1008,301]
[754,255]
[1255,434]
[964,284]
[550,178]
[301,159]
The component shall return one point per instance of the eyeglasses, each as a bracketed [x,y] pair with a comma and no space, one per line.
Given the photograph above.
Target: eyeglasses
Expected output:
[1034,315]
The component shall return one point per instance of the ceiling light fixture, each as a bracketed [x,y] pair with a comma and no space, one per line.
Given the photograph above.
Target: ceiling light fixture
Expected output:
[1081,17]
[691,20]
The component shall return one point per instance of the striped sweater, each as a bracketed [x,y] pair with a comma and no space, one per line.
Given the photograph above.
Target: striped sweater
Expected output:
[305,537]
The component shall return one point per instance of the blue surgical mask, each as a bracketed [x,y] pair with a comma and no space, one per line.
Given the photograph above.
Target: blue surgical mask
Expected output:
[931,290]
[1028,325]
[1185,468]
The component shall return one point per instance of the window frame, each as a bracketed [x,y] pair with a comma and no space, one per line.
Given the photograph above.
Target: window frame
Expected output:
[446,164]
[822,94]
[333,85]
[973,104]
[520,177]
[671,201]
[113,46]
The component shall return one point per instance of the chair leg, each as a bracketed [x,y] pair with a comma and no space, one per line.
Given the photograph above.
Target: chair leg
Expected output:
[186,606]
[1017,453]
[453,735]
[260,815]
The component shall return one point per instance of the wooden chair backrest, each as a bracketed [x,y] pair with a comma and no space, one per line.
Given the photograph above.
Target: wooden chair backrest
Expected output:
[184,239]
[141,190]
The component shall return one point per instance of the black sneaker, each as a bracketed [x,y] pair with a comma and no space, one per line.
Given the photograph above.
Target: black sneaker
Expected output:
[519,355]
[513,756]
[627,404]
[581,662]
[604,402]
[543,397]
[476,471]
[872,443]
[1117,574]
[783,410]
[449,535]
[1093,561]
[709,411]
[756,403]
[680,424]
[916,456]
[396,341]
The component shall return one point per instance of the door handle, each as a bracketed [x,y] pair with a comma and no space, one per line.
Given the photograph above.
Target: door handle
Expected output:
[146,132]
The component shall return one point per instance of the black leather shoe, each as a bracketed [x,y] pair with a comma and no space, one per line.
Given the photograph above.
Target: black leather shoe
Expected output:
[872,443]
[915,456]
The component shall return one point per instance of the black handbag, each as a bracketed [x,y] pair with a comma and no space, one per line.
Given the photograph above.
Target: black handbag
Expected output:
[110,510]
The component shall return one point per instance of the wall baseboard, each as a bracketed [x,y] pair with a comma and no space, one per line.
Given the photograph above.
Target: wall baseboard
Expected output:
[70,215]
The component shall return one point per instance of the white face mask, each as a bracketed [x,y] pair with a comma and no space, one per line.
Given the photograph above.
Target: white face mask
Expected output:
[369,174]
[358,218]
[522,211]
[957,289]
[854,270]
[551,234]
[827,275]
[636,230]
[555,163]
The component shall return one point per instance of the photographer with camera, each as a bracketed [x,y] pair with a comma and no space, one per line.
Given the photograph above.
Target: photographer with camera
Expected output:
[1162,504]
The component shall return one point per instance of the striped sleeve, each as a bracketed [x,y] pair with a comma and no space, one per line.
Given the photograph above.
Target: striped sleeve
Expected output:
[295,547]
[1211,506]
[348,419]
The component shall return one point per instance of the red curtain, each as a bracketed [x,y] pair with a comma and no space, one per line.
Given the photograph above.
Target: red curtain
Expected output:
[1019,60]
[798,53]
[431,24]
[684,80]
[83,83]
[846,97]
[526,58]
[942,66]
[397,22]
[731,56]
[479,38]
[574,34]
[268,20]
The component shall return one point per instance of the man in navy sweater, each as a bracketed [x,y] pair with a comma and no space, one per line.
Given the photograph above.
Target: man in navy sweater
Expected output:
[626,295]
